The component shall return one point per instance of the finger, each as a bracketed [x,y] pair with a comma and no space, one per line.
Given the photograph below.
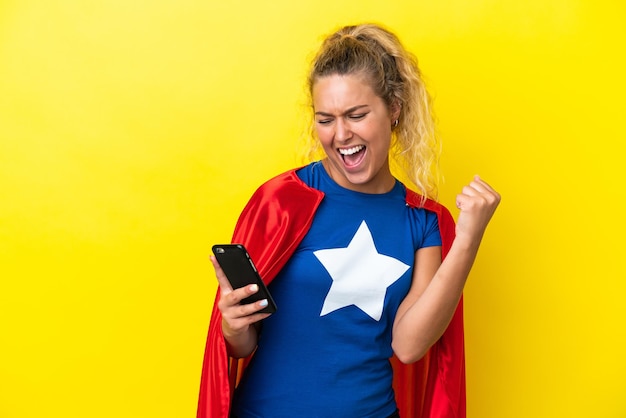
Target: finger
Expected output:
[471,195]
[470,190]
[257,317]
[488,192]
[244,321]
[483,184]
[239,311]
[224,284]
[471,198]
[462,199]
[478,187]
[233,299]
[240,294]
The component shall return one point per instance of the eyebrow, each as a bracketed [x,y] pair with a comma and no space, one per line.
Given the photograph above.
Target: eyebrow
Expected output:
[348,111]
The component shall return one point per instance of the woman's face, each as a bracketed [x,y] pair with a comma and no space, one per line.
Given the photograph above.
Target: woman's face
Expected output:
[354,127]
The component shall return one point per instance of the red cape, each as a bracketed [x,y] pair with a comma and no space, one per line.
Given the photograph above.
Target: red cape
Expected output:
[271,226]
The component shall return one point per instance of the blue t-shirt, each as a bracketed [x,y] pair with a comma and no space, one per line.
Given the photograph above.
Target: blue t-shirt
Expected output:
[326,351]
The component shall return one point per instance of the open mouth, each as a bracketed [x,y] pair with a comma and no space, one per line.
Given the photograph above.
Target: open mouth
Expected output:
[352,156]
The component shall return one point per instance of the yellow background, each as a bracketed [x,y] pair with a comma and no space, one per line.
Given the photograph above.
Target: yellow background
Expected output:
[132,133]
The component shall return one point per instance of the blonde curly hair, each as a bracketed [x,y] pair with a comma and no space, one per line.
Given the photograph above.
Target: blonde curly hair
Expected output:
[394,75]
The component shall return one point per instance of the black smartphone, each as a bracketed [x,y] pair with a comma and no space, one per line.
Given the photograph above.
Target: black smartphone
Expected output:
[240,271]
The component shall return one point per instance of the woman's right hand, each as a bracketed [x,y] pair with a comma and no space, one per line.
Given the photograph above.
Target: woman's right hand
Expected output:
[237,318]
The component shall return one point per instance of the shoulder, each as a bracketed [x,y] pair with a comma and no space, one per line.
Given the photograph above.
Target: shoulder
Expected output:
[285,184]
[287,188]
[416,200]
[444,217]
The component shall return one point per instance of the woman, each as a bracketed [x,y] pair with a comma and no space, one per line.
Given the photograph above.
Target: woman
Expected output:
[362,268]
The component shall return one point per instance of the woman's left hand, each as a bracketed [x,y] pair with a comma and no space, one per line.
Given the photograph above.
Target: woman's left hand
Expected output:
[477,202]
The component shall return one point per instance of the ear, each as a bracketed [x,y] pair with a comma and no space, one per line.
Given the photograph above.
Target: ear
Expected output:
[394,110]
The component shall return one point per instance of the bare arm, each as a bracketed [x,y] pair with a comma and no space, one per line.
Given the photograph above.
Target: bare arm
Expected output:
[437,286]
[239,322]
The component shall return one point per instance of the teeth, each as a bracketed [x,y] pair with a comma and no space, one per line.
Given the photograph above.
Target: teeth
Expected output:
[350,151]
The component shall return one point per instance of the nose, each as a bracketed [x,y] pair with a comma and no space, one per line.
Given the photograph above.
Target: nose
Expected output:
[342,130]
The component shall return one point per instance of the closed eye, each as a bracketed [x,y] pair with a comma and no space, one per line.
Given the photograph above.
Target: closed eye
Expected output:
[357,116]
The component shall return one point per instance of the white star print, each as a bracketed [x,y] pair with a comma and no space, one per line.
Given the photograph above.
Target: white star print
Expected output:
[360,275]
